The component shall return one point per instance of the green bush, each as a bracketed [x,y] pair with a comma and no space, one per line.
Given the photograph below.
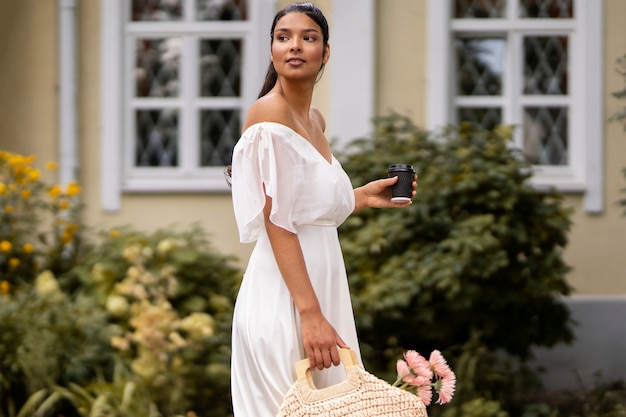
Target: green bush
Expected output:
[124,322]
[148,325]
[48,338]
[473,267]
[170,297]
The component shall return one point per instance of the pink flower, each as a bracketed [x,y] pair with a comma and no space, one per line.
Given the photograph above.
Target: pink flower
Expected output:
[425,393]
[446,391]
[439,364]
[404,372]
[418,364]
[421,376]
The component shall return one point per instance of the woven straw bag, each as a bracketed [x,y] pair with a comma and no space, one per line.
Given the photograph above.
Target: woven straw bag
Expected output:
[361,394]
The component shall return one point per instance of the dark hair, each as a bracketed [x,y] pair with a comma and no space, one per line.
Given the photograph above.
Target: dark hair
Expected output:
[315,14]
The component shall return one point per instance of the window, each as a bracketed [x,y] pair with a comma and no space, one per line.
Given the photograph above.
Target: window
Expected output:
[533,64]
[177,78]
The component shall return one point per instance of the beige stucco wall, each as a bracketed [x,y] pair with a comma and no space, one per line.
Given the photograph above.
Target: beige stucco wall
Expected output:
[597,247]
[28,118]
[28,78]
[401,64]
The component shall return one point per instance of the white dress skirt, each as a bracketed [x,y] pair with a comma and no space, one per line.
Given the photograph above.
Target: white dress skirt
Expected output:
[310,197]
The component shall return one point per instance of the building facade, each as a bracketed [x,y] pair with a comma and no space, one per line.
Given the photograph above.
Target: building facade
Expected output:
[141,101]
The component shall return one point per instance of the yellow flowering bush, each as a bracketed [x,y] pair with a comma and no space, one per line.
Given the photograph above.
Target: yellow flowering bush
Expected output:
[39,224]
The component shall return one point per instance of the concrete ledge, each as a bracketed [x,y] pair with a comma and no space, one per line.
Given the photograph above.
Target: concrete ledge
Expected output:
[600,344]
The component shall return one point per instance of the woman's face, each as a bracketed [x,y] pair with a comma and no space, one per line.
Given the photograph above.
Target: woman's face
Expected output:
[298,47]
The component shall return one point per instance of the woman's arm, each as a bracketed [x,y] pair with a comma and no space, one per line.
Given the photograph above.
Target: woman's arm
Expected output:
[377,194]
[318,336]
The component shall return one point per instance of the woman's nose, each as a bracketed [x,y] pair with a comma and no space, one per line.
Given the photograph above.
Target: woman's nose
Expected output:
[295,45]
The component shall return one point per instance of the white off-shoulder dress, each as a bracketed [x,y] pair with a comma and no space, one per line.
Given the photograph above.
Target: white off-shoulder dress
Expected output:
[310,197]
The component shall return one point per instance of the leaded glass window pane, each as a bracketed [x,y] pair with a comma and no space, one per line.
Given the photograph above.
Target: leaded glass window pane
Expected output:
[219,130]
[156,10]
[220,67]
[547,9]
[156,138]
[545,135]
[484,117]
[221,10]
[545,65]
[480,62]
[479,8]
[157,67]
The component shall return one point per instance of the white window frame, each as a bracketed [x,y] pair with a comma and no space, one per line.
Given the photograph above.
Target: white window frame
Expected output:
[584,173]
[117,138]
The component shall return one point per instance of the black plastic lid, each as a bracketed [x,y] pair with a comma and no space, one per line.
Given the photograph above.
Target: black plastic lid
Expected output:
[400,167]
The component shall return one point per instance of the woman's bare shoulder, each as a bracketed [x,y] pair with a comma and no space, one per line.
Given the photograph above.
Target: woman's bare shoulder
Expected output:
[269,108]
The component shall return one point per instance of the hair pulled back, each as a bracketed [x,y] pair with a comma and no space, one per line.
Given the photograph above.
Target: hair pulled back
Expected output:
[315,14]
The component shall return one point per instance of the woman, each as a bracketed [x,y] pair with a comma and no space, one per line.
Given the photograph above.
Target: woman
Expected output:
[289,195]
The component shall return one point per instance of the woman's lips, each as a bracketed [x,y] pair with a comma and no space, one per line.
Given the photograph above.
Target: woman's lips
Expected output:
[296,61]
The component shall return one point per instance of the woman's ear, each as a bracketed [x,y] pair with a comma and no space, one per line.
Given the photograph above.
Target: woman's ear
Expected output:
[326,54]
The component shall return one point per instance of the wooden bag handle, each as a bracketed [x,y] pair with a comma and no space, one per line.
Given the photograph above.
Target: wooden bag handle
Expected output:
[346,356]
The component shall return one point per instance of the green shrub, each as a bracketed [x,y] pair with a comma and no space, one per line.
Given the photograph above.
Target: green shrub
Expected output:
[474,266]
[170,297]
[163,303]
[149,325]
[48,338]
[91,323]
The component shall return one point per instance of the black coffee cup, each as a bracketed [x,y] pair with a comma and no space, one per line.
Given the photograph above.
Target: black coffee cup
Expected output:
[402,190]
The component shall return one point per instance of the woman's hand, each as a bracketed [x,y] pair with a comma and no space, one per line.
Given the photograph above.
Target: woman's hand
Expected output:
[320,340]
[377,194]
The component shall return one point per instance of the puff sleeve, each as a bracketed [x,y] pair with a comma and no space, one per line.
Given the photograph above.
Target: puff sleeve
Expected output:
[264,164]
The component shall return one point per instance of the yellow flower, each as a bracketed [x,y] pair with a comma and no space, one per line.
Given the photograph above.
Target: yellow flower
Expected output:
[64,205]
[4,287]
[166,245]
[15,160]
[120,343]
[131,253]
[51,165]
[14,263]
[117,305]
[114,233]
[66,237]
[3,188]
[5,246]
[46,285]
[27,247]
[68,233]
[8,209]
[55,191]
[73,189]
[33,175]
[25,193]
[198,325]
